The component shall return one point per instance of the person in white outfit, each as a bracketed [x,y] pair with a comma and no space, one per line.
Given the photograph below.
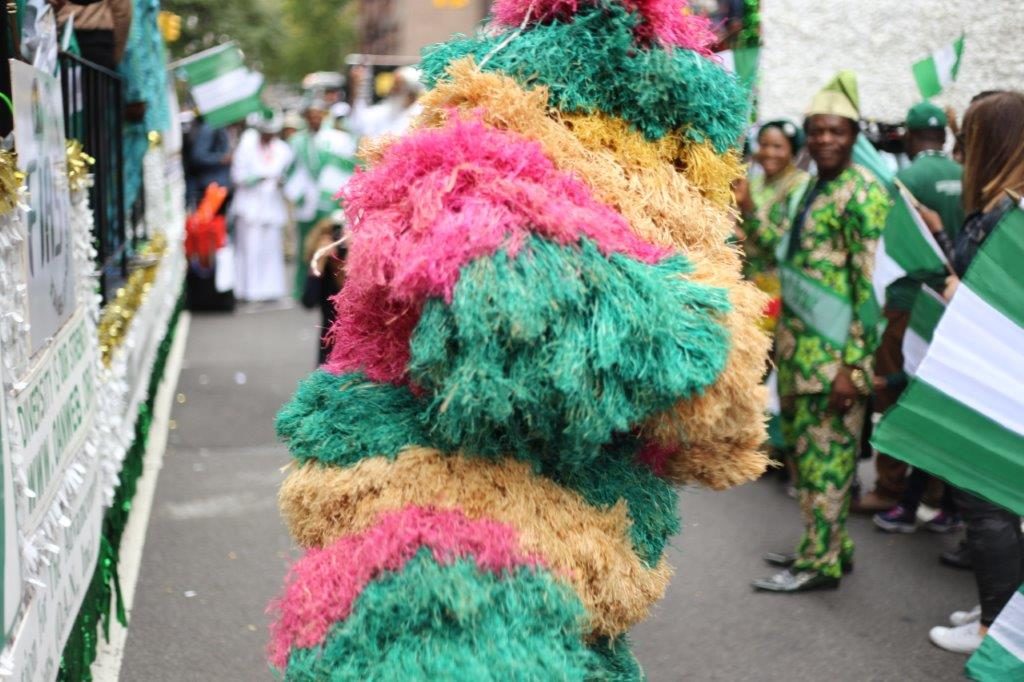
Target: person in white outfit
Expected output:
[393,114]
[260,212]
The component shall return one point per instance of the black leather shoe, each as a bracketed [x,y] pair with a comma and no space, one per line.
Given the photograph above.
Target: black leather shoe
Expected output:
[804,581]
[785,560]
[957,558]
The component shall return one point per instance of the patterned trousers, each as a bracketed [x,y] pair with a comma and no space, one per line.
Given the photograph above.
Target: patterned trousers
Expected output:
[825,447]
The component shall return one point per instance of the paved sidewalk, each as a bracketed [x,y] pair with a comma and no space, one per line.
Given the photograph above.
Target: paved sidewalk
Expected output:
[216,551]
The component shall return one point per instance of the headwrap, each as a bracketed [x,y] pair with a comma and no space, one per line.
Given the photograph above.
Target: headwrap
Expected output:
[793,132]
[838,98]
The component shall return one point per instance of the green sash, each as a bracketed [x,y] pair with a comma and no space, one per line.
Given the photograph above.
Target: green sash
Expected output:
[825,312]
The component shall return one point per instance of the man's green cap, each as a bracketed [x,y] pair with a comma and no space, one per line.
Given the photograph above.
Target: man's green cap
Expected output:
[839,97]
[925,116]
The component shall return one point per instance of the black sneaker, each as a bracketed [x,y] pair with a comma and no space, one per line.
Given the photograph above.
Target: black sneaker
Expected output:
[957,558]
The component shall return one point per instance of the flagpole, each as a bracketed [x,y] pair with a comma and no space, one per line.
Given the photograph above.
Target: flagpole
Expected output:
[199,55]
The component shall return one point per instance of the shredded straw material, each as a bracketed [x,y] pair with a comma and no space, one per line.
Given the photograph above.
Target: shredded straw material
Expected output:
[590,546]
[593,64]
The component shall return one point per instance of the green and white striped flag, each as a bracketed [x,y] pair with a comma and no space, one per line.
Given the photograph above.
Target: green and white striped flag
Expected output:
[962,417]
[939,69]
[906,247]
[924,318]
[1001,655]
[224,90]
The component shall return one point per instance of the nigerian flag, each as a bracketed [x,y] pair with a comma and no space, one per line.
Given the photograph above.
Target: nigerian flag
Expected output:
[1001,655]
[924,318]
[939,69]
[962,417]
[906,247]
[224,90]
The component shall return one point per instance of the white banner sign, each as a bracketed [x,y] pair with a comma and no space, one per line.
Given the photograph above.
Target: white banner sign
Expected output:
[10,600]
[51,613]
[39,140]
[53,413]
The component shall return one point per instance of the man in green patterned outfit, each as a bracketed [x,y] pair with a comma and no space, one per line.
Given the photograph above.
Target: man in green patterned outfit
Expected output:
[827,336]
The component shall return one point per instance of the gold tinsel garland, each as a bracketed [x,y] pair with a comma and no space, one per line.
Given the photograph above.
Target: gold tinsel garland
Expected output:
[10,181]
[79,164]
[118,314]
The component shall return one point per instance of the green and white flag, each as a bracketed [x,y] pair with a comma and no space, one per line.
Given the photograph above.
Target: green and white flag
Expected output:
[906,247]
[224,90]
[1001,655]
[962,417]
[936,71]
[924,318]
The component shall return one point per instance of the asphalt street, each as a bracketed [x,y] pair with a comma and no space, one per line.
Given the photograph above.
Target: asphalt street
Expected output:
[216,551]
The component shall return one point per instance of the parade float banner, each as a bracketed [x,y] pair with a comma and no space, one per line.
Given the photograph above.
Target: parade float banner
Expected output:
[10,598]
[51,451]
[39,136]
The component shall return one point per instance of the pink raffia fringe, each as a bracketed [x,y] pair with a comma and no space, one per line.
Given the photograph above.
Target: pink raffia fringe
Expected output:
[322,586]
[669,23]
[437,200]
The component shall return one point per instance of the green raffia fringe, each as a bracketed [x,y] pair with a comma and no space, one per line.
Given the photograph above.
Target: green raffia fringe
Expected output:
[454,622]
[592,64]
[552,352]
[339,420]
[80,649]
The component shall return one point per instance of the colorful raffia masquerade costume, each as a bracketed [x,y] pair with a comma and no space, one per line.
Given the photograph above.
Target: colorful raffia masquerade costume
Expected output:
[542,330]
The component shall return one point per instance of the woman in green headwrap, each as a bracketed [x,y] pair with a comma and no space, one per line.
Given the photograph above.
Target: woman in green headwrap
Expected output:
[766,199]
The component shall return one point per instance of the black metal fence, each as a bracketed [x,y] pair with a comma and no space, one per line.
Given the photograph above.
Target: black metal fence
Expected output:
[94,115]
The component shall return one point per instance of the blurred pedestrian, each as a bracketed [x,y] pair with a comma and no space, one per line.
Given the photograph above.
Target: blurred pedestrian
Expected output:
[827,335]
[101,29]
[935,181]
[765,201]
[324,281]
[209,158]
[993,143]
[394,113]
[323,162]
[261,212]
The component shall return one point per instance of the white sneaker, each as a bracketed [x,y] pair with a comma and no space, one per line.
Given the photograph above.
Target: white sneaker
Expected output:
[958,618]
[963,639]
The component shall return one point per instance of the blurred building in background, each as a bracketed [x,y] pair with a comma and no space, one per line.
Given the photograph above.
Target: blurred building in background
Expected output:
[404,27]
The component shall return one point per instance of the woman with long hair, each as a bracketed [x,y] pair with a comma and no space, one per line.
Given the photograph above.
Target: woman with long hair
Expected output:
[993,143]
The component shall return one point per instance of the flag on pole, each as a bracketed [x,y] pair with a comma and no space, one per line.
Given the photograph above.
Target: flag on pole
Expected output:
[907,246]
[865,154]
[924,318]
[742,62]
[1001,655]
[936,71]
[223,89]
[962,417]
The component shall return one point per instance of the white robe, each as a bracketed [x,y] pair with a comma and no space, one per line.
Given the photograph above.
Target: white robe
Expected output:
[261,213]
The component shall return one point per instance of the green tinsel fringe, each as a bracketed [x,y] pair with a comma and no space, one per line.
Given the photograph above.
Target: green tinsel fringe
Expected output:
[593,64]
[80,649]
[339,420]
[453,622]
